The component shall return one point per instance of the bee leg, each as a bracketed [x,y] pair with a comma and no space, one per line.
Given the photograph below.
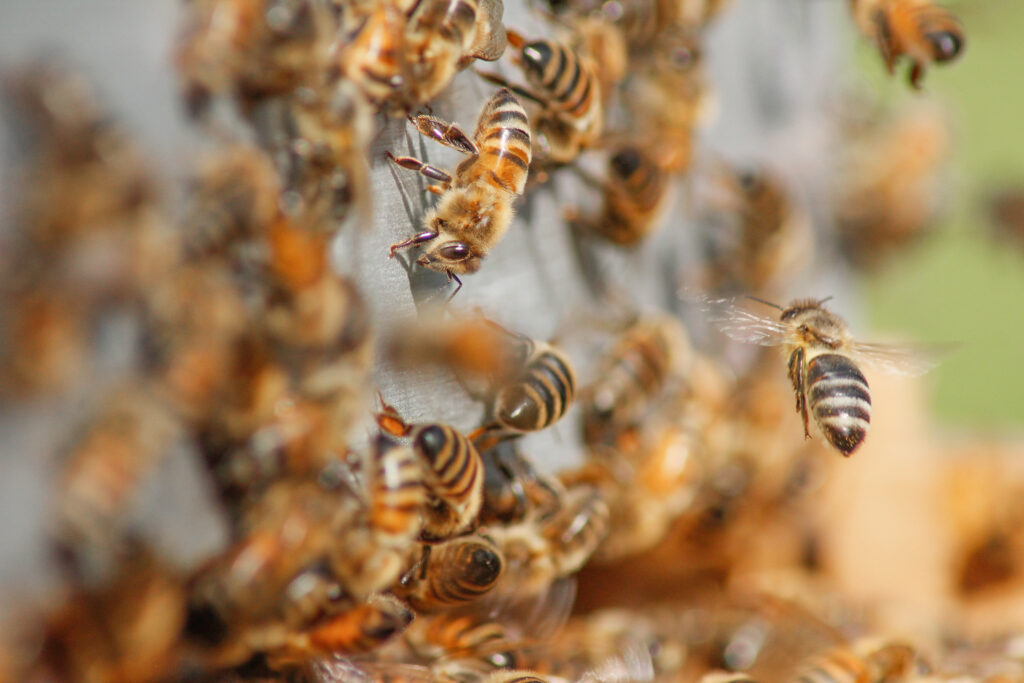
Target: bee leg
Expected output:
[498,79]
[916,74]
[389,420]
[446,133]
[425,236]
[453,276]
[426,170]
[796,375]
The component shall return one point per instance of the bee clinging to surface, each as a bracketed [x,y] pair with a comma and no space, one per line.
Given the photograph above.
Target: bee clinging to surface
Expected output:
[822,361]
[565,84]
[475,208]
[919,29]
[453,473]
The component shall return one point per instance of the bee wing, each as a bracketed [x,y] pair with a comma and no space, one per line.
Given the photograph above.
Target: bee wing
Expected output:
[742,325]
[901,359]
[633,664]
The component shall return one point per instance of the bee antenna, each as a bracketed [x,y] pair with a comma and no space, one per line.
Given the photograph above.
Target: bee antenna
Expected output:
[767,303]
[827,298]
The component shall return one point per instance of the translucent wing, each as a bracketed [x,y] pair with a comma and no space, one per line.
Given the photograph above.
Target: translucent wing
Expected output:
[342,670]
[901,359]
[742,325]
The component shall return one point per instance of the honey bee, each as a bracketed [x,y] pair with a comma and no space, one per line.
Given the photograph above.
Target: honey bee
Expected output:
[632,375]
[634,193]
[453,473]
[452,572]
[512,488]
[534,398]
[475,207]
[566,85]
[865,660]
[770,237]
[459,637]
[252,50]
[918,29]
[402,57]
[821,364]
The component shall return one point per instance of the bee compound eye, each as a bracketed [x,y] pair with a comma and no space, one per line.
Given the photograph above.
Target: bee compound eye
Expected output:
[457,251]
[946,45]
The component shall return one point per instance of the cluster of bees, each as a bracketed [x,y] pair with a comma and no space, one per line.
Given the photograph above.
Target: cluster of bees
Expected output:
[223,335]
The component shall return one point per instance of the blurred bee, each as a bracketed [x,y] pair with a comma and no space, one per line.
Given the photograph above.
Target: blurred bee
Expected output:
[402,57]
[250,50]
[451,573]
[865,660]
[103,475]
[475,207]
[459,637]
[667,96]
[889,182]
[566,85]
[918,29]
[1006,211]
[634,193]
[822,366]
[769,238]
[512,488]
[534,398]
[631,377]
[453,474]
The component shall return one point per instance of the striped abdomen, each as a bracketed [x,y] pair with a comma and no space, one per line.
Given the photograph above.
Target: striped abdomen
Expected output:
[503,138]
[838,397]
[636,188]
[464,636]
[454,475]
[541,394]
[456,572]
[565,81]
[396,494]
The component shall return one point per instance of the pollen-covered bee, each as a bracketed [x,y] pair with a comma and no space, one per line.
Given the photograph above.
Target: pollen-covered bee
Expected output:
[451,573]
[475,207]
[634,193]
[821,359]
[920,30]
[453,473]
[565,84]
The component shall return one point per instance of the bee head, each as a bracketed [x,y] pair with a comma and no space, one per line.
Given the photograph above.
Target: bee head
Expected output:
[945,45]
[453,256]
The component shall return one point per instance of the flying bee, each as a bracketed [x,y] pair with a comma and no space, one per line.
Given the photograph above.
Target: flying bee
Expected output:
[453,473]
[566,85]
[451,573]
[475,207]
[822,366]
[918,29]
[634,193]
[632,376]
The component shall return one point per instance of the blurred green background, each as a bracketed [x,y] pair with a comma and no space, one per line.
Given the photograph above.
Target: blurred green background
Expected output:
[960,284]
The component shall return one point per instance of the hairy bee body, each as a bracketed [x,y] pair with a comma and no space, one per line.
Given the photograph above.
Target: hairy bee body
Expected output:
[475,208]
[631,376]
[396,495]
[918,29]
[540,395]
[633,196]
[452,573]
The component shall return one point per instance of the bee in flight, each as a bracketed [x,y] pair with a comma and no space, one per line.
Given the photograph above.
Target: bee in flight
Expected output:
[822,363]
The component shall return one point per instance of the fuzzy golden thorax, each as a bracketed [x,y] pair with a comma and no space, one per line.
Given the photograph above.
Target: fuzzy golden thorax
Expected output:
[468,222]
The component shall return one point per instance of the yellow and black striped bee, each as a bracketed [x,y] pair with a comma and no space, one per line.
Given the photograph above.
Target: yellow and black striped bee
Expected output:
[566,85]
[634,194]
[866,660]
[475,208]
[918,29]
[453,474]
[632,375]
[451,573]
[822,357]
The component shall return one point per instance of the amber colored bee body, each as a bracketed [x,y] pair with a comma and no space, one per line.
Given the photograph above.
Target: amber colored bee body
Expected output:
[540,395]
[451,573]
[567,87]
[453,474]
[475,207]
[632,376]
[453,637]
[865,661]
[917,29]
[634,192]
